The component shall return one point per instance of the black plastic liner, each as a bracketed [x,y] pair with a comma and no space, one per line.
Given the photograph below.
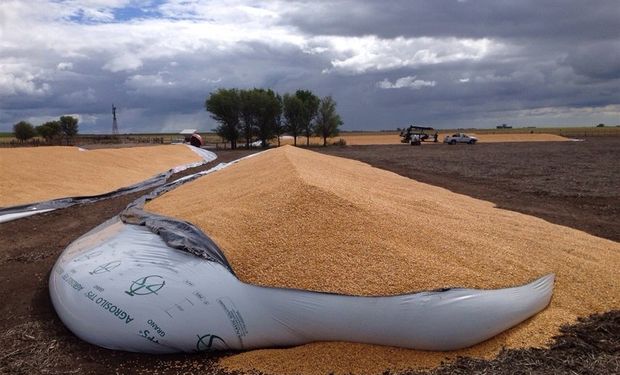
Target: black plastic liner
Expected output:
[70,201]
[177,234]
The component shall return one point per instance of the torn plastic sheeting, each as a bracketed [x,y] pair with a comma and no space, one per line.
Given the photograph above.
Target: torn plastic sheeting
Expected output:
[16,212]
[18,215]
[54,204]
[206,155]
[147,297]
[177,234]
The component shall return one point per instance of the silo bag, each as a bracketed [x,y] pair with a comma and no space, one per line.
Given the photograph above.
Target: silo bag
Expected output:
[152,284]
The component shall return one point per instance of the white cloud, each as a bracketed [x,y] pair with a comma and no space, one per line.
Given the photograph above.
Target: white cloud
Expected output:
[128,46]
[125,62]
[64,66]
[176,122]
[21,78]
[212,80]
[406,82]
[146,82]
[369,53]
[215,28]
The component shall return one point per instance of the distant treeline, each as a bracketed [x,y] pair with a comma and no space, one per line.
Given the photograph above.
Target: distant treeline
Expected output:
[264,114]
[64,128]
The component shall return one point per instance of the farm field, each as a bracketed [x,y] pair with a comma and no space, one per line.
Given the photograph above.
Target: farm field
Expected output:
[568,183]
[351,137]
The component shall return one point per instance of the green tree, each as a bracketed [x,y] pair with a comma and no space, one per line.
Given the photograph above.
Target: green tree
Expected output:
[292,111]
[268,109]
[279,126]
[49,130]
[23,131]
[327,120]
[69,126]
[249,107]
[259,109]
[225,107]
[310,108]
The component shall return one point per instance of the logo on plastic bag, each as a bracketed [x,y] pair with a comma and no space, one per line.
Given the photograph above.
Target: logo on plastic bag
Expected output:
[106,267]
[88,256]
[146,285]
[210,342]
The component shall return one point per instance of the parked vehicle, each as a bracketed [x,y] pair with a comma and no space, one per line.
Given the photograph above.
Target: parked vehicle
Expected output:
[460,138]
[421,133]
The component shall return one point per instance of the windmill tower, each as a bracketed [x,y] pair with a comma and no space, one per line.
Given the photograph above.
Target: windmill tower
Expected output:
[114,122]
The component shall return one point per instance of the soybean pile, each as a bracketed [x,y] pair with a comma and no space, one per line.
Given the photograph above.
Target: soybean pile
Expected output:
[294,218]
[36,174]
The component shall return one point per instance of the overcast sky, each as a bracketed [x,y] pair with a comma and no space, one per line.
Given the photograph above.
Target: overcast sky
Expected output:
[451,63]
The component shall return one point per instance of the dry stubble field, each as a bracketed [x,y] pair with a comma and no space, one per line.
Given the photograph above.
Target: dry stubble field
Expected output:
[573,184]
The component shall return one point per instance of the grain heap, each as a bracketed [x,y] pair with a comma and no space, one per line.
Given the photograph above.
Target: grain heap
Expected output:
[394,138]
[298,219]
[36,174]
[520,137]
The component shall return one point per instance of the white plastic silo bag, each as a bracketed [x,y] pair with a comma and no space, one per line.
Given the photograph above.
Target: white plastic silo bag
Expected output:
[121,286]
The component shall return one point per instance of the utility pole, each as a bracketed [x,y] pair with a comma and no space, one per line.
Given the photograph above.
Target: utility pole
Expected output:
[114,122]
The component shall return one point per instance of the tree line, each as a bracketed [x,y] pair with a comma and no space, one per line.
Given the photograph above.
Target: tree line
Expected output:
[52,131]
[264,114]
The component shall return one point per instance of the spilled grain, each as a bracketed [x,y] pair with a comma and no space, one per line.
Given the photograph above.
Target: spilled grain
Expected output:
[298,219]
[35,174]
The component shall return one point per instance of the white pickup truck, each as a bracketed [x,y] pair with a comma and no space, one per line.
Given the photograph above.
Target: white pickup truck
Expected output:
[459,138]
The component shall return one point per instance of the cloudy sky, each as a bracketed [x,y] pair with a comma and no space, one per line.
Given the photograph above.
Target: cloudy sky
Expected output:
[442,63]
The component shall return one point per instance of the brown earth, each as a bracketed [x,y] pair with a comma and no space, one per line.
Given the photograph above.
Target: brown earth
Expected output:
[34,341]
[576,184]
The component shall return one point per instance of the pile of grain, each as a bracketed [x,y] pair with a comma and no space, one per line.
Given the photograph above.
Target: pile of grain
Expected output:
[299,219]
[42,173]
[382,138]
[517,137]
[378,138]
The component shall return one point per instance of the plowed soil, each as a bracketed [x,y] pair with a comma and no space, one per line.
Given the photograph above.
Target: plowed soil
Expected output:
[573,184]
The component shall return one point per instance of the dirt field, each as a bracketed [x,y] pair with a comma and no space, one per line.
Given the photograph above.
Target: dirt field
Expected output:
[573,184]
[569,183]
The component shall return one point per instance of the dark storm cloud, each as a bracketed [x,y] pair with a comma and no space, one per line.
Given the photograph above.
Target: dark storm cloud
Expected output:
[559,54]
[597,59]
[559,19]
[181,86]
[582,35]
